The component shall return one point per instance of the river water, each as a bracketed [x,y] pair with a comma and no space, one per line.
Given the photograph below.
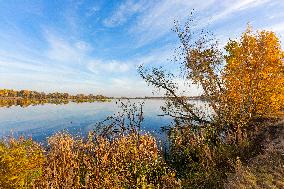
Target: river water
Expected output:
[42,121]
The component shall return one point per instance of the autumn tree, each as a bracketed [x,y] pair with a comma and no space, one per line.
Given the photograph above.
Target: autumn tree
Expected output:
[254,75]
[196,137]
[239,85]
[200,61]
[245,83]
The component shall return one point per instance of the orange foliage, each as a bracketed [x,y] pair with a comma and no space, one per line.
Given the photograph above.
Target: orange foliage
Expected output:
[254,74]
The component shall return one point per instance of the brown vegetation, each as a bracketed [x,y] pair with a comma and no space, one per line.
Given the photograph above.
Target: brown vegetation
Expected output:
[265,170]
[125,162]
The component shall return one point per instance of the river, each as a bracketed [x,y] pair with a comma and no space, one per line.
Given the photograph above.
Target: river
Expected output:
[42,121]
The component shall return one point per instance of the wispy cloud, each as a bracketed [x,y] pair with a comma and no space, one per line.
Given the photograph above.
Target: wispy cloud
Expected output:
[156,57]
[157,21]
[64,51]
[93,10]
[21,74]
[230,7]
[113,66]
[124,12]
[278,28]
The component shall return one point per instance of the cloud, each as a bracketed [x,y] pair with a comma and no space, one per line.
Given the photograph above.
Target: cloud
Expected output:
[113,66]
[231,7]
[130,87]
[93,10]
[187,88]
[157,20]
[155,57]
[41,82]
[61,50]
[124,12]
[42,77]
[278,28]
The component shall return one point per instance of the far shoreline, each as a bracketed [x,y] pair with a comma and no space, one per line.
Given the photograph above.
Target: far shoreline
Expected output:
[108,98]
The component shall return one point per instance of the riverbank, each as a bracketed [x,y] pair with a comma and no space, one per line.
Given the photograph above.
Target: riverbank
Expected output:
[265,170]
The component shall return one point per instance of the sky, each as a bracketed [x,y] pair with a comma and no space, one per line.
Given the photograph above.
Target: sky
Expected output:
[95,46]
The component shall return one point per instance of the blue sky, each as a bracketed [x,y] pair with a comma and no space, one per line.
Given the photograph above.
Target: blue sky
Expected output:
[95,46]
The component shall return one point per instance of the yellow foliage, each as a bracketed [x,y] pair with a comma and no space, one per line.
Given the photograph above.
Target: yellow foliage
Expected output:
[254,75]
[20,163]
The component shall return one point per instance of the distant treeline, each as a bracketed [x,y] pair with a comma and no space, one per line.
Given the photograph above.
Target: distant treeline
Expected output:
[25,102]
[27,94]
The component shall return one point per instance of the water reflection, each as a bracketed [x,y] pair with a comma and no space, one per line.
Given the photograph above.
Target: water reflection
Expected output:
[33,102]
[77,118]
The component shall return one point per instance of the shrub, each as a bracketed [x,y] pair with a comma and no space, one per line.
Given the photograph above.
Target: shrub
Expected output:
[21,163]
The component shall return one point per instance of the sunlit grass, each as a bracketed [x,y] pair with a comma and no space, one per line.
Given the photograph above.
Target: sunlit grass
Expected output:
[125,162]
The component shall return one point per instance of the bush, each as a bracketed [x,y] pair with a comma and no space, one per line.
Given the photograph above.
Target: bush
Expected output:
[21,163]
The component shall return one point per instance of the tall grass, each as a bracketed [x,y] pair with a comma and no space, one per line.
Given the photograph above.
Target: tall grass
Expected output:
[131,161]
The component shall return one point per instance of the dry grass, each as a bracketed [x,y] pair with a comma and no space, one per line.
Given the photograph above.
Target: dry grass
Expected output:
[131,161]
[265,170]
